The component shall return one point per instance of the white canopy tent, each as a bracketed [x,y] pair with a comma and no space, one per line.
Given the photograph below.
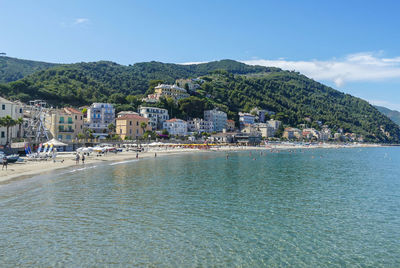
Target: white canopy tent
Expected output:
[55,142]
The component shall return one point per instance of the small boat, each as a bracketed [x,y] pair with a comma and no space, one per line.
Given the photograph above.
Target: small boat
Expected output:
[12,158]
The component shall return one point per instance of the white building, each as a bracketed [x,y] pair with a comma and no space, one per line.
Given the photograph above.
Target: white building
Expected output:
[199,125]
[246,119]
[99,117]
[156,116]
[218,118]
[14,110]
[176,127]
[264,129]
[325,134]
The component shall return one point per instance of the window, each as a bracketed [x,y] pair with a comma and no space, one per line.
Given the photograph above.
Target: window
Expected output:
[20,110]
[68,137]
[61,119]
[3,107]
[130,131]
[3,134]
[60,137]
[130,123]
[137,123]
[76,117]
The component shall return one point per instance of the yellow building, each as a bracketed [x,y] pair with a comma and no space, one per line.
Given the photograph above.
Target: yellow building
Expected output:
[130,126]
[65,124]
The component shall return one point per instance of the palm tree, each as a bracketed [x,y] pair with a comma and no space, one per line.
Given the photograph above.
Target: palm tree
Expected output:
[8,122]
[111,129]
[20,121]
[143,126]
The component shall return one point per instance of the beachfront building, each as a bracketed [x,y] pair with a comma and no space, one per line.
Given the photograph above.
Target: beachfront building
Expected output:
[99,117]
[246,119]
[310,133]
[218,118]
[199,125]
[167,91]
[14,110]
[263,129]
[130,126]
[156,116]
[230,125]
[64,124]
[176,126]
[325,134]
[292,133]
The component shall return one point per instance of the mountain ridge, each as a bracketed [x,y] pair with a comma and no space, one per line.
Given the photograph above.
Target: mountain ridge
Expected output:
[230,85]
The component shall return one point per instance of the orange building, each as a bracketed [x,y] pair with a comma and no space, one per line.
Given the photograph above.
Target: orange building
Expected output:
[130,126]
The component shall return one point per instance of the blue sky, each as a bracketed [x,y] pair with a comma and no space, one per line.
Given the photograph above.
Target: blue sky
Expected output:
[352,46]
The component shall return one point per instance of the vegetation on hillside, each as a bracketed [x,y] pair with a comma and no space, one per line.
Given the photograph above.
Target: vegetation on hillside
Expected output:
[230,86]
[392,114]
[12,69]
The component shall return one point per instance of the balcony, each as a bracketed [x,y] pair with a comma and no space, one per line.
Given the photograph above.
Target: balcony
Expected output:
[66,130]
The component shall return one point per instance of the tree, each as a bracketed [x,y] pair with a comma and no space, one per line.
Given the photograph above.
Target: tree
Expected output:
[111,129]
[117,98]
[192,107]
[143,126]
[8,122]
[20,121]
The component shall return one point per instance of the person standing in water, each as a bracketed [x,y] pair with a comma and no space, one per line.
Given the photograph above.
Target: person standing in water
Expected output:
[83,159]
[77,158]
[155,154]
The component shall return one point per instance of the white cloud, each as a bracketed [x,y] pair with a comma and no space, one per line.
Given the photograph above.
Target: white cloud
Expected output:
[81,21]
[193,62]
[359,67]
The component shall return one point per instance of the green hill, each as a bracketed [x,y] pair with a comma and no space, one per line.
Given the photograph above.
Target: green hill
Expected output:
[230,85]
[392,114]
[12,69]
[82,83]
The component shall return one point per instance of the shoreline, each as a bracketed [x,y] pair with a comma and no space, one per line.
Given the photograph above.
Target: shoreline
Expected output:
[29,169]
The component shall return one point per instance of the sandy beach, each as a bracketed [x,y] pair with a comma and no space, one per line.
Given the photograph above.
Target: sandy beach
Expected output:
[26,168]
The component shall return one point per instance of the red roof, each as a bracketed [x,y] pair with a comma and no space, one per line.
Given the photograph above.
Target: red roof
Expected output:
[131,116]
[174,120]
[230,121]
[72,110]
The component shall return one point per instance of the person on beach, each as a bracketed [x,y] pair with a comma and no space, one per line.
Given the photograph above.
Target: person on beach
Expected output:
[137,156]
[53,155]
[155,155]
[5,162]
[83,159]
[77,157]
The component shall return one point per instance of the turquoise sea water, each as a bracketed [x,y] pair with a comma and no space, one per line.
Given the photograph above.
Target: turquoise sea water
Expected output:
[312,208]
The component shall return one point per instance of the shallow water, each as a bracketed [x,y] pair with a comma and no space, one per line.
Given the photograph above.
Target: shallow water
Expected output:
[312,208]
